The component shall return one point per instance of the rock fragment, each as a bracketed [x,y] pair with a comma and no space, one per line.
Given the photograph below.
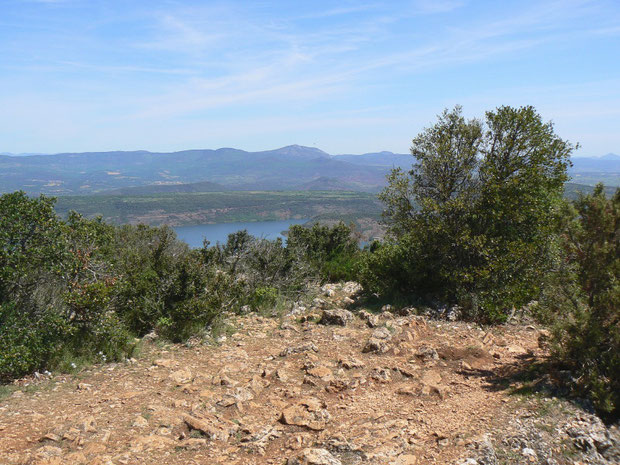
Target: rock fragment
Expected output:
[181,376]
[427,354]
[376,346]
[338,317]
[309,412]
[298,349]
[349,363]
[372,321]
[314,457]
[211,427]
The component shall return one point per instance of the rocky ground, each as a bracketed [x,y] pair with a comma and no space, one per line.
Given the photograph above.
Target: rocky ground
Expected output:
[320,386]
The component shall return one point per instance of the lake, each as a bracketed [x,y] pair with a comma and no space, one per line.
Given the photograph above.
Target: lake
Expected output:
[195,234]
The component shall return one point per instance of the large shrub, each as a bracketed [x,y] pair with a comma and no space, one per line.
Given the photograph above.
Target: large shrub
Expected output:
[582,298]
[147,261]
[256,272]
[332,251]
[472,222]
[56,288]
[29,342]
[32,247]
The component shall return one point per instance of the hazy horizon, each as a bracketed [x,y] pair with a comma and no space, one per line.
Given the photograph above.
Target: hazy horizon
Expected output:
[26,154]
[346,77]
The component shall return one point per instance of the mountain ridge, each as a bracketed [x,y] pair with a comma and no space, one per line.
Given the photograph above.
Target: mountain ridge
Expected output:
[284,168]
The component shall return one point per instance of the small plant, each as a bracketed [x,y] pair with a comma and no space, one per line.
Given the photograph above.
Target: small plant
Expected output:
[197,434]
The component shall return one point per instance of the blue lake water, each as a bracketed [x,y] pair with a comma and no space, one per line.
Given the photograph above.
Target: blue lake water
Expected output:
[195,234]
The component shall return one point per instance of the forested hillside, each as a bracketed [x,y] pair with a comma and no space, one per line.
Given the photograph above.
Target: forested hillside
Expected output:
[288,168]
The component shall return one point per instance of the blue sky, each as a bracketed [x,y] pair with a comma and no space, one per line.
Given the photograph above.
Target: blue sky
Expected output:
[346,77]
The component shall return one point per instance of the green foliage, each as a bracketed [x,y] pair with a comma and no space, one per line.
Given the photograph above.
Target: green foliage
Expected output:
[28,343]
[472,223]
[221,207]
[264,297]
[148,262]
[31,245]
[332,251]
[187,318]
[67,286]
[79,290]
[582,299]
[256,272]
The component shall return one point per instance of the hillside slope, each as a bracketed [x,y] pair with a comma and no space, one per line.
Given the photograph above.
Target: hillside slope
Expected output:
[285,168]
[220,207]
[383,389]
[84,173]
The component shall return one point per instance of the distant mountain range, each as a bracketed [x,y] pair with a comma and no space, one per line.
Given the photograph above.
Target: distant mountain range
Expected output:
[288,168]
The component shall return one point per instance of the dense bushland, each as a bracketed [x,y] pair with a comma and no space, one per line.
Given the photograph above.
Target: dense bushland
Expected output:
[480,222]
[81,290]
[581,298]
[472,222]
[332,252]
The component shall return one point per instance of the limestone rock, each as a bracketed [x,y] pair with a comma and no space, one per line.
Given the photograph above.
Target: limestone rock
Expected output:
[319,303]
[407,391]
[321,372]
[211,427]
[336,385]
[152,442]
[89,425]
[309,412]
[376,346]
[314,457]
[163,362]
[51,437]
[382,375]
[351,288]
[350,363]
[72,434]
[192,443]
[258,441]
[298,349]
[382,333]
[181,376]
[427,354]
[140,422]
[338,316]
[49,451]
[371,320]
[405,459]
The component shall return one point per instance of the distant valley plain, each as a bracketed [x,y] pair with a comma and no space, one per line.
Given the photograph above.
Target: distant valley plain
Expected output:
[231,185]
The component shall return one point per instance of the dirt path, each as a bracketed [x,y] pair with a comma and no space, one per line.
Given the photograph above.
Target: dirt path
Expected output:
[419,393]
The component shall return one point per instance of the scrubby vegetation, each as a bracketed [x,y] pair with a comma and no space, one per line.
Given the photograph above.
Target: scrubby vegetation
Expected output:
[82,290]
[479,224]
[581,298]
[220,207]
[486,196]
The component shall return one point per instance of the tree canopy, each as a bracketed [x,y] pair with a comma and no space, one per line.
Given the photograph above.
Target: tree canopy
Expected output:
[473,220]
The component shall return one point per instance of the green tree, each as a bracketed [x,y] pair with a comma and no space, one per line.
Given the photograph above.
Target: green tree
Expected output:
[582,298]
[472,221]
[31,245]
[444,174]
[522,172]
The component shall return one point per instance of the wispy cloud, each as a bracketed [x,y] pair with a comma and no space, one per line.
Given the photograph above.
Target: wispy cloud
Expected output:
[317,65]
[160,67]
